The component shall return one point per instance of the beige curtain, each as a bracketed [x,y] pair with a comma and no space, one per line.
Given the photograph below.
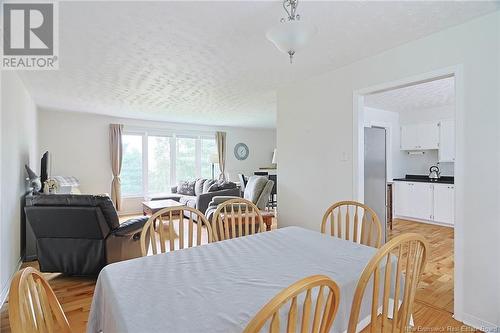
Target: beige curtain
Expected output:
[116,146]
[220,138]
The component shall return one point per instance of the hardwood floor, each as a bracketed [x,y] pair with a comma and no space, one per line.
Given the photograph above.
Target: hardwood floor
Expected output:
[433,308]
[432,311]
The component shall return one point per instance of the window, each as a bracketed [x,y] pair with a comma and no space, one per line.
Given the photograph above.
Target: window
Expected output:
[131,174]
[152,163]
[208,148]
[158,164]
[186,159]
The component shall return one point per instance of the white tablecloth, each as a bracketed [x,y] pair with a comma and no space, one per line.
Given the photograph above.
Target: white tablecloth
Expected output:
[219,287]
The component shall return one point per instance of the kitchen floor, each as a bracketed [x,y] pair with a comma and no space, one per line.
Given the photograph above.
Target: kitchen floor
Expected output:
[434,298]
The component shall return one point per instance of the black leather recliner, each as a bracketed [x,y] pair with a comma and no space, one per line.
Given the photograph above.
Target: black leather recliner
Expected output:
[80,234]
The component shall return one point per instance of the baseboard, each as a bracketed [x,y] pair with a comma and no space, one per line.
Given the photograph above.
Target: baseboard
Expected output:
[477,323]
[123,213]
[412,219]
[5,290]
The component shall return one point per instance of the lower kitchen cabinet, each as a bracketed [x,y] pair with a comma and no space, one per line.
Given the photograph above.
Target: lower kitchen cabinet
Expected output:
[444,203]
[424,201]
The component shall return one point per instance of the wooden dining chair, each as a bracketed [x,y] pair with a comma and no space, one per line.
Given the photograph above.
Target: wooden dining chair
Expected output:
[154,229]
[33,306]
[321,310]
[394,273]
[353,221]
[236,218]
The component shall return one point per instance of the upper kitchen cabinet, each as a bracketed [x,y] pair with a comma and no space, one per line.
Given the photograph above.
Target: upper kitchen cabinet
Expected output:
[421,136]
[447,141]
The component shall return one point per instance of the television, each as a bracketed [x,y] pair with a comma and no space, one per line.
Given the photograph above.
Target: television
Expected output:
[44,168]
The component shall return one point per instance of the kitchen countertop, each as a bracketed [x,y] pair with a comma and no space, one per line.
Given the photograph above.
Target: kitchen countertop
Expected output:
[426,179]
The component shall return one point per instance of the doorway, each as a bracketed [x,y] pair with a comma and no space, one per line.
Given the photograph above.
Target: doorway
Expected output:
[441,215]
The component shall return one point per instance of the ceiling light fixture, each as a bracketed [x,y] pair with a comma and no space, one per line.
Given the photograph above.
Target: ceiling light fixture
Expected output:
[292,33]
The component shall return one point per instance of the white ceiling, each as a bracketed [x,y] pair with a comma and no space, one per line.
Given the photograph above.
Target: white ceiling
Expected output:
[209,62]
[432,94]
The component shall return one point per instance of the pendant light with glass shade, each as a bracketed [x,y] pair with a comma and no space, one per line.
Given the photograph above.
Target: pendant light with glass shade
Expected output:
[291,34]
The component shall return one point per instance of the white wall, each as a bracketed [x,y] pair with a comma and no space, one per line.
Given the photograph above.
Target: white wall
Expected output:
[19,147]
[79,146]
[315,119]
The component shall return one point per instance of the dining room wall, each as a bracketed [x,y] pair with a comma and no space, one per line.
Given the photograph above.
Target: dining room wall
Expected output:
[315,118]
[18,147]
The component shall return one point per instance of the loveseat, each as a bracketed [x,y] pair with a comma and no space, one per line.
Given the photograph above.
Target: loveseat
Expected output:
[198,193]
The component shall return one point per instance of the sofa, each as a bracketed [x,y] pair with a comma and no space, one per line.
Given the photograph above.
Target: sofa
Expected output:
[198,193]
[80,234]
[257,190]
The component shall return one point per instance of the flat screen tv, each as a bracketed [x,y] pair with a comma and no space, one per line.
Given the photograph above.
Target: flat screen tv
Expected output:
[44,168]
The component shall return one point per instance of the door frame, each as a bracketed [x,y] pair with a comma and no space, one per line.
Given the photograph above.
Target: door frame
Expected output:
[358,160]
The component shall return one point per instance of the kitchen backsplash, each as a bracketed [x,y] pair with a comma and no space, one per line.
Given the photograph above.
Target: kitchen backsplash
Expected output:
[420,164]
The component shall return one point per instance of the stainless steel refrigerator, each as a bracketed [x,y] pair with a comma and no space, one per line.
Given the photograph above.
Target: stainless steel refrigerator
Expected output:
[375,175]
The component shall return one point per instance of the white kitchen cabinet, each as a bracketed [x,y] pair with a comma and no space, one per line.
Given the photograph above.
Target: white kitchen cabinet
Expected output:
[428,135]
[422,205]
[420,136]
[425,201]
[413,199]
[402,198]
[444,203]
[447,141]
[409,137]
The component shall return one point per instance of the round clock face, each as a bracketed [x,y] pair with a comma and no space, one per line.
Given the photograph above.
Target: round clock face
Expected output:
[241,151]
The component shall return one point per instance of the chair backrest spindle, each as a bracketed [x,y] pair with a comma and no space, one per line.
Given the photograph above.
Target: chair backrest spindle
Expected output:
[404,257]
[345,223]
[324,309]
[236,218]
[33,306]
[154,229]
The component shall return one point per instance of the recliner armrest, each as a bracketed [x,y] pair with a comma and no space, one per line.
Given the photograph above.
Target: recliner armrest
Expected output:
[130,227]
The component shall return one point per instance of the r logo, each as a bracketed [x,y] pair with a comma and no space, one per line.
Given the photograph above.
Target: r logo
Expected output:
[28,29]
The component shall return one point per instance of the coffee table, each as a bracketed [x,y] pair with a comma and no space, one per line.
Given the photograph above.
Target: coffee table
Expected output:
[154,206]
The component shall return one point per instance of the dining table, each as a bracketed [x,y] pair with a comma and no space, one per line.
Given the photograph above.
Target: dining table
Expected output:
[219,287]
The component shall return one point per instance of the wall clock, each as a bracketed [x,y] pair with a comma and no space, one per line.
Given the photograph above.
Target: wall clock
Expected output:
[241,151]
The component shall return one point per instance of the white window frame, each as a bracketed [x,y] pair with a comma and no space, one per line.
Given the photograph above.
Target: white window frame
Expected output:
[172,135]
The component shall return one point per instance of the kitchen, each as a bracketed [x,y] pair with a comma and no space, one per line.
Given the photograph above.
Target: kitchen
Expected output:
[419,121]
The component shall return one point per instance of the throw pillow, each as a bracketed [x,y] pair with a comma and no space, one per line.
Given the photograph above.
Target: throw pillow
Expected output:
[198,186]
[213,188]
[226,185]
[207,184]
[186,187]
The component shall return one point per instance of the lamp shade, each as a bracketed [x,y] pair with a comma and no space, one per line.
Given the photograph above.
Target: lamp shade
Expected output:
[214,158]
[291,36]
[275,156]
